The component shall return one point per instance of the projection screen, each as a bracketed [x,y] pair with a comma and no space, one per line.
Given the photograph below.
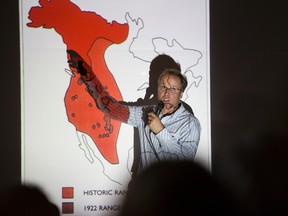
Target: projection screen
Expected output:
[85,170]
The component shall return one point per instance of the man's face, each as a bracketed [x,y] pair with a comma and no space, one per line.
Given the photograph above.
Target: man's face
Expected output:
[169,90]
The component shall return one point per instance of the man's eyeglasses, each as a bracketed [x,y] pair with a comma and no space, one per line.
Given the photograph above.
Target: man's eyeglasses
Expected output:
[171,90]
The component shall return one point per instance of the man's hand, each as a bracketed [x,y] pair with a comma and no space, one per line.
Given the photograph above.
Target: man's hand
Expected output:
[77,62]
[154,123]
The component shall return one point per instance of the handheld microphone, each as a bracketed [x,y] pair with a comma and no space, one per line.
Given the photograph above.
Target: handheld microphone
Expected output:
[156,109]
[159,107]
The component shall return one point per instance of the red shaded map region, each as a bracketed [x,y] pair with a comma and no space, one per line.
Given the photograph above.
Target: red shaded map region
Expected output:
[89,35]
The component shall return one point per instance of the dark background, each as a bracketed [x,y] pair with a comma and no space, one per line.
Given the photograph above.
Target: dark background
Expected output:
[249,51]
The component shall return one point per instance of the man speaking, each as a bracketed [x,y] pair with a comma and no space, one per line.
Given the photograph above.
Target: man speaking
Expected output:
[167,130]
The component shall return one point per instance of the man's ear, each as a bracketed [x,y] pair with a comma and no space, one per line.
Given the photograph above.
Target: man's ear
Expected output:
[181,94]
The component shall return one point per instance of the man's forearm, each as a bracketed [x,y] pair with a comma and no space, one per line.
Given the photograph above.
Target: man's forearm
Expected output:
[105,102]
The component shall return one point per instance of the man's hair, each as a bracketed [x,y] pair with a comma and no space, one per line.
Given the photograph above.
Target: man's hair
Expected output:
[177,73]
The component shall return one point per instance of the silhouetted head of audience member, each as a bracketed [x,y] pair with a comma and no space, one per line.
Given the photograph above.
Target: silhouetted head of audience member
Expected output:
[26,201]
[176,188]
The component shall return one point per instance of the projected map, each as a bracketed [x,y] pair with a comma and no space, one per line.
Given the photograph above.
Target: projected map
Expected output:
[80,156]
[90,34]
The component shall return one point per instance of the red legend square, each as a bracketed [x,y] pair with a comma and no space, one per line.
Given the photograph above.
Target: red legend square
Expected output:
[67,192]
[67,208]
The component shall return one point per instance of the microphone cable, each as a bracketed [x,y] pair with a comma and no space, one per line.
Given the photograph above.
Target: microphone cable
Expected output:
[158,110]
